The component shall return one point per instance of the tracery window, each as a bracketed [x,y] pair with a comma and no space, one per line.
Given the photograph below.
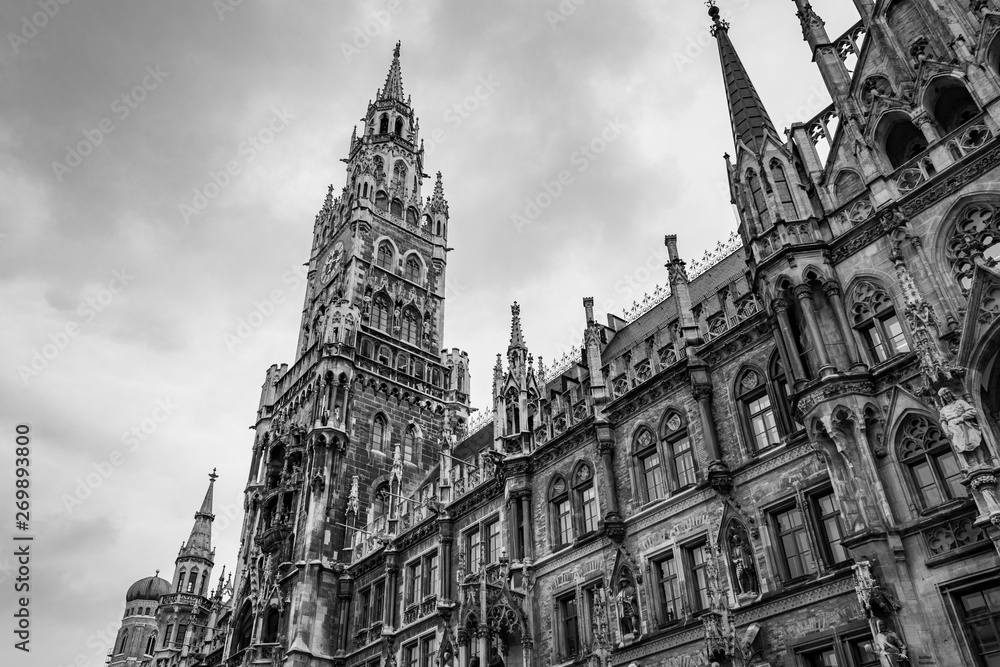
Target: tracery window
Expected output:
[649,468]
[410,444]
[680,455]
[759,202]
[585,497]
[760,423]
[381,312]
[876,322]
[411,326]
[399,174]
[976,236]
[383,259]
[560,513]
[927,455]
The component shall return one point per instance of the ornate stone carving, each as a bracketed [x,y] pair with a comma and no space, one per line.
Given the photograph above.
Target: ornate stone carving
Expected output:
[960,422]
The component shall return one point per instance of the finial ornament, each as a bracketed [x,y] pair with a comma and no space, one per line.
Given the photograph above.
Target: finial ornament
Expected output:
[717,23]
[213,476]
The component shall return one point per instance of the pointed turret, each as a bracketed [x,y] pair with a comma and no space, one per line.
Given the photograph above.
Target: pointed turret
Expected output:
[438,204]
[746,110]
[516,336]
[393,88]
[199,543]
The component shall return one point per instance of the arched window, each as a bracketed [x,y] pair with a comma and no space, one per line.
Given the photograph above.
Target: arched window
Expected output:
[379,429]
[192,585]
[364,191]
[681,464]
[976,236]
[758,200]
[950,103]
[411,216]
[585,498]
[649,467]
[396,208]
[411,326]
[412,269]
[399,126]
[876,322]
[244,630]
[418,369]
[847,185]
[380,501]
[410,444]
[759,422]
[383,124]
[270,635]
[778,383]
[381,200]
[782,190]
[383,259]
[151,645]
[560,513]
[381,312]
[933,469]
[366,348]
[902,140]
[122,641]
[399,174]
[402,363]
[180,580]
[384,355]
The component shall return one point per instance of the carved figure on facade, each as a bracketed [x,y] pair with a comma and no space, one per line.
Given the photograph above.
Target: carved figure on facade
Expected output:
[628,607]
[742,559]
[889,648]
[960,422]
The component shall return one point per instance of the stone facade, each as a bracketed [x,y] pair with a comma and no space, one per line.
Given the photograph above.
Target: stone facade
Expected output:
[789,457]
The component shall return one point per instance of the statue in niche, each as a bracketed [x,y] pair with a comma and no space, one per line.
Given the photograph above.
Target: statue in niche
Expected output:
[888,646]
[628,607]
[741,555]
[960,422]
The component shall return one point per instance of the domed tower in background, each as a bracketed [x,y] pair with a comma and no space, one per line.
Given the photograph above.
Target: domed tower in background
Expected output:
[136,639]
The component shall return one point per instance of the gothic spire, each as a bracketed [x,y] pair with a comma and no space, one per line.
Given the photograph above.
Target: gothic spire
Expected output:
[393,88]
[437,201]
[746,110]
[516,337]
[199,543]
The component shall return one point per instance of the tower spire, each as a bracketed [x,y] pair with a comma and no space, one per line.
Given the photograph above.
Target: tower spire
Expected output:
[199,543]
[516,337]
[746,110]
[393,88]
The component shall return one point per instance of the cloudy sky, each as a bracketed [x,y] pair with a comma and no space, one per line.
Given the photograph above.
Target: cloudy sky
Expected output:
[125,270]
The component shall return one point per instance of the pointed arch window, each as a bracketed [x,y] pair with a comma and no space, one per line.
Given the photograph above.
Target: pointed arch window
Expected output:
[383,124]
[150,645]
[380,501]
[560,513]
[381,312]
[976,237]
[931,464]
[778,384]
[411,217]
[399,126]
[681,464]
[585,499]
[123,641]
[410,444]
[270,635]
[412,270]
[760,424]
[192,584]
[379,431]
[876,322]
[782,189]
[649,467]
[383,259]
[758,200]
[399,174]
[180,580]
[396,208]
[411,326]
[381,201]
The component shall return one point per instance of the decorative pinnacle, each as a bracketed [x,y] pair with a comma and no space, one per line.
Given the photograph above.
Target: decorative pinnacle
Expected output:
[516,337]
[393,88]
[213,476]
[717,23]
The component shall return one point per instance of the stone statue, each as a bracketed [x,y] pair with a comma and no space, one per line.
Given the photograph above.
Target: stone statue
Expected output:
[889,648]
[959,420]
[628,607]
[746,575]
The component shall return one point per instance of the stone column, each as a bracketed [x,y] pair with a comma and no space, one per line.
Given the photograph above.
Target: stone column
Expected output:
[391,588]
[344,595]
[795,369]
[718,473]
[804,294]
[446,542]
[462,637]
[833,293]
[613,523]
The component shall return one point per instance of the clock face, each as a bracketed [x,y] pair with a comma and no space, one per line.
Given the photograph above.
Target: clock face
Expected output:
[333,260]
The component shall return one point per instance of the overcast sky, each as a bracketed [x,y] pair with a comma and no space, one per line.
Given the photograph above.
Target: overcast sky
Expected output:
[125,271]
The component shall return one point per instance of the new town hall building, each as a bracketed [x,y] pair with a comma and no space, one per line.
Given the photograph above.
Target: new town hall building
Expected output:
[788,458]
